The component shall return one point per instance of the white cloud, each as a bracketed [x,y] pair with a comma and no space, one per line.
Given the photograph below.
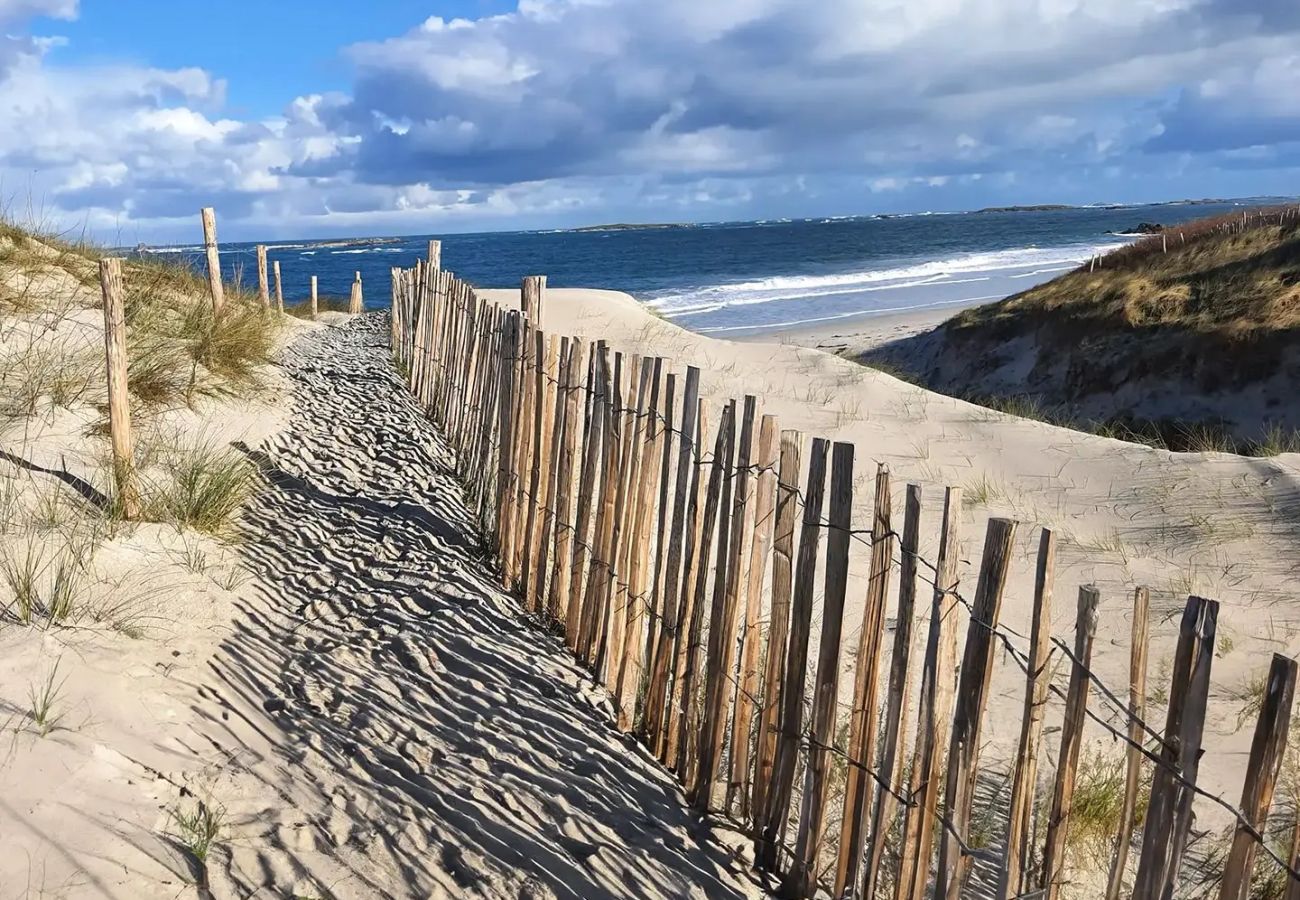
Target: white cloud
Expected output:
[571,107]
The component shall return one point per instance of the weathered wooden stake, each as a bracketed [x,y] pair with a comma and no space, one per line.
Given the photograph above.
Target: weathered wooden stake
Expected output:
[315,307]
[532,292]
[1038,682]
[119,408]
[787,517]
[263,290]
[751,636]
[1164,836]
[279,286]
[355,302]
[1266,752]
[1076,706]
[934,713]
[1137,688]
[435,255]
[801,879]
[215,288]
[863,725]
[968,717]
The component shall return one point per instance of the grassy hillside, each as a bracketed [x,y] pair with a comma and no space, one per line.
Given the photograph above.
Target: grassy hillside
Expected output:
[1184,339]
[1226,278]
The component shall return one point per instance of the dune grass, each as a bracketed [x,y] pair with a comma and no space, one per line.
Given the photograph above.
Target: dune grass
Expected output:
[1213,276]
[197,483]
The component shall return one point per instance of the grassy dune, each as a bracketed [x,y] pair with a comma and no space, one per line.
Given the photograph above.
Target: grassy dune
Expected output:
[1184,340]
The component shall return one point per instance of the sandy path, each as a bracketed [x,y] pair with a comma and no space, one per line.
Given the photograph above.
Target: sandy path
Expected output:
[385,725]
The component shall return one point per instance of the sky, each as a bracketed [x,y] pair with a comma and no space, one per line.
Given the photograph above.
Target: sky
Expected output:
[122,118]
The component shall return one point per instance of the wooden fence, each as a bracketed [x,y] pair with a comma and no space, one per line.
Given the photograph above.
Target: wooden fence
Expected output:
[676,545]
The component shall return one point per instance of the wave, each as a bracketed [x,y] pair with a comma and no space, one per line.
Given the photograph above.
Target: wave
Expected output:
[855,314]
[195,249]
[985,265]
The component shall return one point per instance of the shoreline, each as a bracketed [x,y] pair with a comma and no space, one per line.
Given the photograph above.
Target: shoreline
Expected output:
[855,335]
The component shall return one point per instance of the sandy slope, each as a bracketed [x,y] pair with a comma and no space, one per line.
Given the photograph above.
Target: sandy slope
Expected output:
[1223,526]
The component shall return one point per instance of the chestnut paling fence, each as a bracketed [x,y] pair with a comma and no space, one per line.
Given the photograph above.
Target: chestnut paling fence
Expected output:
[685,550]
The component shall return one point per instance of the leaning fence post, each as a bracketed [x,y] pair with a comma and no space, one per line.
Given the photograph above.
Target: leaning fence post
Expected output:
[119,410]
[209,217]
[263,291]
[1266,752]
[1164,837]
[1076,706]
[972,695]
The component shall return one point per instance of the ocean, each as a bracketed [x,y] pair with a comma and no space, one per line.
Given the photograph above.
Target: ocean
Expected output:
[738,278]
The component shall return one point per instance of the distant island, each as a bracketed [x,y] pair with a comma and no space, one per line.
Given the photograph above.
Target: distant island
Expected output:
[1041,207]
[629,226]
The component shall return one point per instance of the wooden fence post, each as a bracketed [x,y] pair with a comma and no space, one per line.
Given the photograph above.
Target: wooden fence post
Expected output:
[1136,713]
[934,711]
[778,629]
[1076,706]
[697,793]
[1164,836]
[972,695]
[263,290]
[655,621]
[1266,751]
[751,635]
[722,620]
[586,522]
[895,730]
[532,292]
[694,583]
[801,879]
[863,724]
[542,484]
[215,288]
[434,257]
[777,807]
[119,407]
[279,287]
[697,485]
[656,702]
[569,533]
[315,306]
[355,301]
[1015,871]
[632,671]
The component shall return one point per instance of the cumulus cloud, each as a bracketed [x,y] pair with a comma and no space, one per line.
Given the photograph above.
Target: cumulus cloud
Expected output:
[563,109]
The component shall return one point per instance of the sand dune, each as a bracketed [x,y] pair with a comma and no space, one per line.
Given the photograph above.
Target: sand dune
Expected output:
[1218,525]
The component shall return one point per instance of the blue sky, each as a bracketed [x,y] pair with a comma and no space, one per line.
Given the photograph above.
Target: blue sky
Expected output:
[395,116]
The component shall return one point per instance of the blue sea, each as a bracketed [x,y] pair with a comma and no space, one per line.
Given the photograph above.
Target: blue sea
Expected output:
[738,278]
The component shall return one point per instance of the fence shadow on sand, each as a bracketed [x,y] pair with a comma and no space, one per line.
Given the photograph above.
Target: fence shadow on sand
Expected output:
[468,750]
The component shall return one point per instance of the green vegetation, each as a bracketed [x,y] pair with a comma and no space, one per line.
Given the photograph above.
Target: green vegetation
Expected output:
[199,827]
[1097,806]
[201,485]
